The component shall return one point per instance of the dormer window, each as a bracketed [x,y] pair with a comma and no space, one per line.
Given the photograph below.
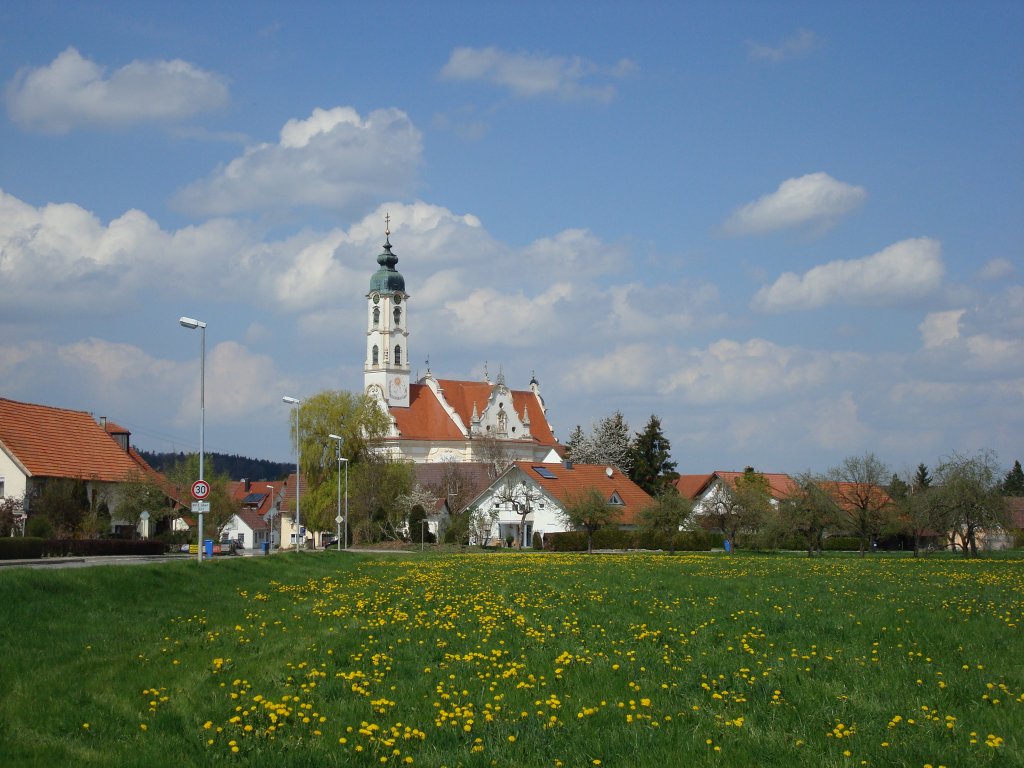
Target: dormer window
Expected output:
[616,499]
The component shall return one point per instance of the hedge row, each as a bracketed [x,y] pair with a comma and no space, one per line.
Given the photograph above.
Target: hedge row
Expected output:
[616,538]
[29,548]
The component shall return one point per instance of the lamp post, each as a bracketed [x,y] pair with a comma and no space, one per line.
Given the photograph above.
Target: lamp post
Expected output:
[270,543]
[338,520]
[192,324]
[423,533]
[299,538]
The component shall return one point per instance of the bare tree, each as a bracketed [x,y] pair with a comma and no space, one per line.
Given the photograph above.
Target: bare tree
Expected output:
[740,507]
[969,498]
[10,515]
[856,485]
[521,497]
[494,452]
[481,524]
[808,511]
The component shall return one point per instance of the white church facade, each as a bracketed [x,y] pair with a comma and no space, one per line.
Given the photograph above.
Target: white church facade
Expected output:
[436,420]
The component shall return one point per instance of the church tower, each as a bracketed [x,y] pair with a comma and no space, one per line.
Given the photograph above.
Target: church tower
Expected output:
[386,371]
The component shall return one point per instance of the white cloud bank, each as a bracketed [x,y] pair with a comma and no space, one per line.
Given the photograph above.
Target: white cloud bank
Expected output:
[905,270]
[531,75]
[815,200]
[73,91]
[333,159]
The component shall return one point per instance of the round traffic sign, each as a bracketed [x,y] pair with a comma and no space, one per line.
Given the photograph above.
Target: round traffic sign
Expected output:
[200,489]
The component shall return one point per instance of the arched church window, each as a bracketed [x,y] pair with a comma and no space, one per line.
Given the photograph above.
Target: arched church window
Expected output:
[376,355]
[398,355]
[398,316]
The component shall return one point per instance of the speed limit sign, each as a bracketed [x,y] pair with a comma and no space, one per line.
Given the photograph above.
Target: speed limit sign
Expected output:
[200,489]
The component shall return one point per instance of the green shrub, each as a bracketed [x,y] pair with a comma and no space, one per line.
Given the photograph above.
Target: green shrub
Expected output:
[538,542]
[566,541]
[38,527]
[21,548]
[611,537]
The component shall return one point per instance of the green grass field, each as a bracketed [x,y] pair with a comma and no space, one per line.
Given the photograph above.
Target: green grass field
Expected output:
[516,659]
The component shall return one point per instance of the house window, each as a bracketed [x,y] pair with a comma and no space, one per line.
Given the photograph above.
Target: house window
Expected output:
[2,494]
[376,316]
[398,355]
[376,355]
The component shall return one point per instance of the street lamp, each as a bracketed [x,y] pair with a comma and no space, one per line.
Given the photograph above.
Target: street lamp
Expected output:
[270,545]
[192,324]
[341,459]
[299,538]
[423,533]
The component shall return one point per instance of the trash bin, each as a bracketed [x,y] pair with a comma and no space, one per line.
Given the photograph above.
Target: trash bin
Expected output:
[209,548]
[266,547]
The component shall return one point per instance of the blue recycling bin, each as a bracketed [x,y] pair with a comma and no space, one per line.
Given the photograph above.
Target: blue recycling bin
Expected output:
[209,548]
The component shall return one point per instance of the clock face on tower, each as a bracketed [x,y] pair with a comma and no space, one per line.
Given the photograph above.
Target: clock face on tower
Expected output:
[397,388]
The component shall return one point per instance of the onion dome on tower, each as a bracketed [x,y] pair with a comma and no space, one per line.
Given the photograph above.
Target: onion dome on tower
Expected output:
[387,279]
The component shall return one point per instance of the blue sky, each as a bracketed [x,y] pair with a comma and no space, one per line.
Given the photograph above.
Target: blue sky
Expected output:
[793,231]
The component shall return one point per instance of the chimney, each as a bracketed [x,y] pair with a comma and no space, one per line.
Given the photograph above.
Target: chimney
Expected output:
[248,483]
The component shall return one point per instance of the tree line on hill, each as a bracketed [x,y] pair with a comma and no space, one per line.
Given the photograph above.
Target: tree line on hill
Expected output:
[234,466]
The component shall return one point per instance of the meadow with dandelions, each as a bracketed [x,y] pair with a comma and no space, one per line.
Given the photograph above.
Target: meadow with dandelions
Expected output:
[558,660]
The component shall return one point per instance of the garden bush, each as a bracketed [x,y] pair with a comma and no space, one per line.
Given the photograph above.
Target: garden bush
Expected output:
[21,548]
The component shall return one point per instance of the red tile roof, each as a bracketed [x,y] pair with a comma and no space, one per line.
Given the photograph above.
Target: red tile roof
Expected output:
[567,483]
[691,486]
[850,496]
[57,442]
[427,419]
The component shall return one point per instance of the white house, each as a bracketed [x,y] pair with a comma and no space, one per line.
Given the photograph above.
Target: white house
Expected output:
[40,443]
[531,497]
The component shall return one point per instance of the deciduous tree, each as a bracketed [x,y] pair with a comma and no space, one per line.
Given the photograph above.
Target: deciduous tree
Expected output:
[808,511]
[356,418]
[856,485]
[969,497]
[741,506]
[521,497]
[667,515]
[589,510]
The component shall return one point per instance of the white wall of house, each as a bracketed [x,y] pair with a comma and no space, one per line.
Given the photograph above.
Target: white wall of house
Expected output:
[14,480]
[545,515]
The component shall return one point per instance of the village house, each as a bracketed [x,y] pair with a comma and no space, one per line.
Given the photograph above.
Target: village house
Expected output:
[40,444]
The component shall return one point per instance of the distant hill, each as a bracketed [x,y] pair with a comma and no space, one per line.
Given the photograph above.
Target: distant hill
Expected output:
[236,467]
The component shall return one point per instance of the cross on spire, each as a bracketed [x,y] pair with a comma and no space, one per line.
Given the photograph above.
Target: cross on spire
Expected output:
[387,224]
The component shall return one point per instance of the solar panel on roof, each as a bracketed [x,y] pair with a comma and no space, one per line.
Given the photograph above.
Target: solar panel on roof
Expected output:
[254,498]
[544,472]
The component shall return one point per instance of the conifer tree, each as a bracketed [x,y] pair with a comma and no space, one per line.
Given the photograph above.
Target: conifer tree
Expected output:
[652,469]
[1013,483]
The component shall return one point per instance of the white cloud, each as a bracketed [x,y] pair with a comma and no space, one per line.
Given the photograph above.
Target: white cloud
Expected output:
[905,270]
[997,269]
[940,328]
[814,200]
[333,159]
[530,75]
[73,91]
[486,316]
[727,371]
[800,44]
